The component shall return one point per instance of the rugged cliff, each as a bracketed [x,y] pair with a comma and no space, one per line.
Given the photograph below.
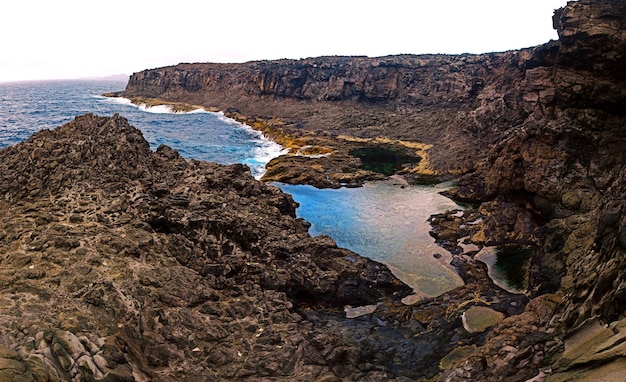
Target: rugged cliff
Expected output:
[567,167]
[121,264]
[450,102]
[539,134]
[118,263]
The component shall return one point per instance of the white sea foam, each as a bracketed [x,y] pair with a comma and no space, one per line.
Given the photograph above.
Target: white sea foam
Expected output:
[168,109]
[157,109]
[265,151]
[118,100]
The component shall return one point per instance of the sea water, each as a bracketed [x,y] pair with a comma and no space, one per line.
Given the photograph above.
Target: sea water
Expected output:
[27,107]
[386,222]
[382,221]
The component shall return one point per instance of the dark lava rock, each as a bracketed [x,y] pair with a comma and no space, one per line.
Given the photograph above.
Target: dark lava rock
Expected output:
[123,264]
[557,182]
[539,134]
[119,263]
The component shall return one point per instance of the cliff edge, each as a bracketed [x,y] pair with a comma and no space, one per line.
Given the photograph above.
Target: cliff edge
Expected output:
[567,168]
[438,108]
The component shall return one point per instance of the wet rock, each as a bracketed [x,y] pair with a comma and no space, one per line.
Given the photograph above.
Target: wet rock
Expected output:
[478,318]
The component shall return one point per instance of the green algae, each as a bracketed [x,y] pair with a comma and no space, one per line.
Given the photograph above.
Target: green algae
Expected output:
[382,160]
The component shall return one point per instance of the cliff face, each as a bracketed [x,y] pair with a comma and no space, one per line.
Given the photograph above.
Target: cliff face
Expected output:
[414,80]
[567,166]
[449,101]
[571,162]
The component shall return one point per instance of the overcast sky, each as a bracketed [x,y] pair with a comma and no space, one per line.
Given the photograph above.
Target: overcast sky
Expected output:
[72,39]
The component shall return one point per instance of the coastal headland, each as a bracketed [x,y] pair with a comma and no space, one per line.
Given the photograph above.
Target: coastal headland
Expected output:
[119,263]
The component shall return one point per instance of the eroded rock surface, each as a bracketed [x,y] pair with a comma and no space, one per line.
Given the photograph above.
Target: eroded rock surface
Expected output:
[564,171]
[118,263]
[539,133]
[447,103]
[121,264]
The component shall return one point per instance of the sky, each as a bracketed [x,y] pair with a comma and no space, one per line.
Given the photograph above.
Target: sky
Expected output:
[44,39]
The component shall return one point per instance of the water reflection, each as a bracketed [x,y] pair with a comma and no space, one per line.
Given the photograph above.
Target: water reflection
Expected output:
[386,223]
[507,266]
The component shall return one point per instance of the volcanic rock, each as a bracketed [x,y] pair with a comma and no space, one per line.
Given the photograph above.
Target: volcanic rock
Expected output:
[446,103]
[538,137]
[119,263]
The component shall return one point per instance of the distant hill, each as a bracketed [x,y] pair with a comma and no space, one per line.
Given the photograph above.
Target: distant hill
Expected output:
[113,77]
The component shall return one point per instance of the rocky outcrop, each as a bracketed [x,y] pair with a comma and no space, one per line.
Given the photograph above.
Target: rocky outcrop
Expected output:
[449,102]
[566,167]
[118,264]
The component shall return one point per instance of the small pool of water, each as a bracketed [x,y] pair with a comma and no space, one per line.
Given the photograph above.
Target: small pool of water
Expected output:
[383,160]
[386,223]
[507,266]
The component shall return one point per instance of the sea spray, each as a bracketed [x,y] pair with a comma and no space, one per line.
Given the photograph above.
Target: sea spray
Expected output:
[261,149]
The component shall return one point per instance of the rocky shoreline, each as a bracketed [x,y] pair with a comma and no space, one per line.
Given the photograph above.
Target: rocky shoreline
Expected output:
[122,264]
[320,159]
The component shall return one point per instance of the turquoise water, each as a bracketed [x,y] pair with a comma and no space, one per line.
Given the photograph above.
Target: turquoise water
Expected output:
[386,223]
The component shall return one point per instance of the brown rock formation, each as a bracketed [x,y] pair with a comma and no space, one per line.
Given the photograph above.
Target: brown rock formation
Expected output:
[566,166]
[450,102]
[117,263]
[120,264]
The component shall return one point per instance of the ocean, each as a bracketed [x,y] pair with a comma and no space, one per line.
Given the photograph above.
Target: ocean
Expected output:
[383,221]
[27,107]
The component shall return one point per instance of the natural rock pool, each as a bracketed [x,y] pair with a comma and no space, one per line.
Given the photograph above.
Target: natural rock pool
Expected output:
[387,223]
[382,160]
[508,266]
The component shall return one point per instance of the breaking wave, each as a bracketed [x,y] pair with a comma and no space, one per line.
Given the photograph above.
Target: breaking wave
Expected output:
[262,149]
[156,109]
[265,149]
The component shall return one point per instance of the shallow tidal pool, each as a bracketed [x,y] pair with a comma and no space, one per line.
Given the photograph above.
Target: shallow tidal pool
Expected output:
[388,224]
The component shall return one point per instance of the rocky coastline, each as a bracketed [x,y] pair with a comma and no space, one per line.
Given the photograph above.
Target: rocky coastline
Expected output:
[124,264]
[121,264]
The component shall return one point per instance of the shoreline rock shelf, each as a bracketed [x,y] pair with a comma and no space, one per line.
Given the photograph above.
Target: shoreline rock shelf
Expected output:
[535,136]
[119,263]
[157,261]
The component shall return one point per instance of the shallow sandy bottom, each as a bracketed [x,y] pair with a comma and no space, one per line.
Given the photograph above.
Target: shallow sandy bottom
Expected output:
[387,223]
